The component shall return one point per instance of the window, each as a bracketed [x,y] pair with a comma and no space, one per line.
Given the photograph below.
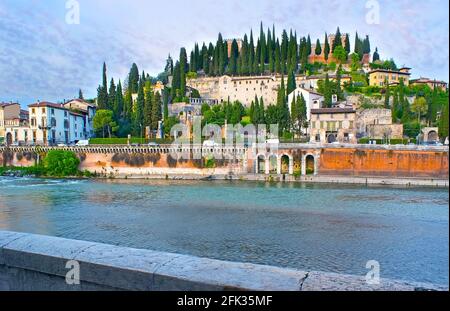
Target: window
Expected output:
[52,111]
[33,111]
[43,110]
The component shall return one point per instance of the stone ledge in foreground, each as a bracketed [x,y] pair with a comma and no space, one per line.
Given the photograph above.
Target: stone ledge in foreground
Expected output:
[35,262]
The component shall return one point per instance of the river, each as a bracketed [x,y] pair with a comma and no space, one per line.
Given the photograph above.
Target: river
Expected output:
[336,228]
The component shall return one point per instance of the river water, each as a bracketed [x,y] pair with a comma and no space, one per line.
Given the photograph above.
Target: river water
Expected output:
[334,228]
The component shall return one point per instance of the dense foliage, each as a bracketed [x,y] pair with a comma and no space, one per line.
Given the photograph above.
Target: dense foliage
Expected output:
[60,163]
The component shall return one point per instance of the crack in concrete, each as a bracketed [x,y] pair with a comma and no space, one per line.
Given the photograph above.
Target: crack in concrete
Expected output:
[302,281]
[82,251]
[12,241]
[159,267]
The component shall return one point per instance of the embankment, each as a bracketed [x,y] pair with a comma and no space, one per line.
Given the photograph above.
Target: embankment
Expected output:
[41,263]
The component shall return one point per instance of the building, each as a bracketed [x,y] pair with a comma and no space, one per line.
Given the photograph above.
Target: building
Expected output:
[239,42]
[87,110]
[245,88]
[8,113]
[329,125]
[441,85]
[378,77]
[51,124]
[377,124]
[313,100]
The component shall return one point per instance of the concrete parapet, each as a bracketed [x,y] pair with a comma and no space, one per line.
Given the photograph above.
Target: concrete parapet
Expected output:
[34,262]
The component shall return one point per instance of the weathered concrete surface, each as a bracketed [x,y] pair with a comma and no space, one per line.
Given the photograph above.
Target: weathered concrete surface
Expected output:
[34,262]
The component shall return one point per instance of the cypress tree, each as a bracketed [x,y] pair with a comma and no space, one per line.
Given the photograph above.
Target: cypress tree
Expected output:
[133,79]
[278,65]
[284,51]
[395,107]
[112,94]
[308,46]
[176,82]
[443,121]
[347,44]
[138,119]
[183,64]
[102,91]
[128,106]
[166,104]
[251,54]
[232,67]
[80,94]
[263,49]
[387,95]
[291,85]
[366,45]
[156,111]
[148,102]
[318,49]
[326,48]
[118,102]
[376,56]
[337,40]
[327,92]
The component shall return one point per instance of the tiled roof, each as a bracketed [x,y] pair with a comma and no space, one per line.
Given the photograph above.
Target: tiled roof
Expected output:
[7,104]
[390,71]
[332,110]
[46,104]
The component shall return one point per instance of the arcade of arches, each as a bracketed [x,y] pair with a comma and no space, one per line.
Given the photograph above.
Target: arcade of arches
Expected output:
[284,163]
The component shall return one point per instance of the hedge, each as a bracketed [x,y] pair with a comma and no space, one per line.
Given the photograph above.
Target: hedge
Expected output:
[124,141]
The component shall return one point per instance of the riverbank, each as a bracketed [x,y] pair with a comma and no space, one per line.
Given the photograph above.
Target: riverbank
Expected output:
[350,180]
[35,262]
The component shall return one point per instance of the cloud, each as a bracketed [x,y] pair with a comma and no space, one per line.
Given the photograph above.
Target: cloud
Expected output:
[42,57]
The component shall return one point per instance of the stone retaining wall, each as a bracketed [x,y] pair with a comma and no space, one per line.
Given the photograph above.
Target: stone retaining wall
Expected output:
[34,262]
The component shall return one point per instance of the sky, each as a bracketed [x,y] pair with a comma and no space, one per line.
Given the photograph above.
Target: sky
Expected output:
[43,57]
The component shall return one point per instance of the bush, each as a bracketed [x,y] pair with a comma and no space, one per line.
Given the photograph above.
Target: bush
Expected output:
[60,163]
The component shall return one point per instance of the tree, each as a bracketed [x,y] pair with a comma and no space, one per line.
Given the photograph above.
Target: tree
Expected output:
[340,54]
[291,85]
[148,103]
[327,47]
[376,56]
[337,40]
[419,107]
[347,44]
[327,94]
[165,104]
[112,94]
[103,121]
[60,163]
[138,117]
[283,109]
[156,111]
[183,65]
[102,91]
[387,95]
[133,79]
[366,45]
[318,49]
[443,122]
[80,94]
[298,113]
[118,102]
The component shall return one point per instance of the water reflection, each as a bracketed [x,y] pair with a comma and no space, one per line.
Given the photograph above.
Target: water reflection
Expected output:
[316,227]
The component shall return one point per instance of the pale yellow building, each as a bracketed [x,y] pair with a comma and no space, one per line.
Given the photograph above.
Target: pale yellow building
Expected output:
[8,113]
[245,88]
[330,125]
[378,77]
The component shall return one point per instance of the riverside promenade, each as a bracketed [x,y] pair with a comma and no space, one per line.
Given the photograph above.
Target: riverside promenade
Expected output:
[42,263]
